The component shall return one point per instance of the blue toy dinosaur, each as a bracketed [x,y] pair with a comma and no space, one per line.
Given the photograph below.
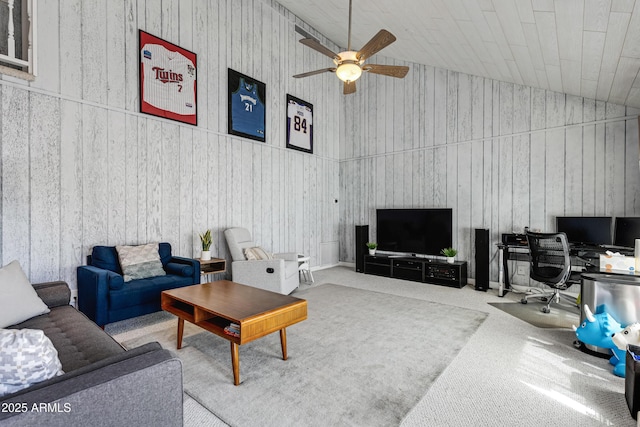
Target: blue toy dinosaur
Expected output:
[597,329]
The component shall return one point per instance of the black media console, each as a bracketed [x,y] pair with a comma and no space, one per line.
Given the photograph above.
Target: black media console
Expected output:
[417,269]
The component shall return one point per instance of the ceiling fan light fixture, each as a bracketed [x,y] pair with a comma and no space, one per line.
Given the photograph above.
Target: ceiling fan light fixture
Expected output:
[349,71]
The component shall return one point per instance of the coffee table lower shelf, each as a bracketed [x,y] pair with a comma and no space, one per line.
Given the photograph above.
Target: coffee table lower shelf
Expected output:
[213,306]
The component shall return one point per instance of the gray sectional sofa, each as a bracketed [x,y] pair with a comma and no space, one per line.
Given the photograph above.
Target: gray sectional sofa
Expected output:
[103,384]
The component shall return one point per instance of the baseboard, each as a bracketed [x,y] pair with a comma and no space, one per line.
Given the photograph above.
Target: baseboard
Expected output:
[324,267]
[471,281]
[346,264]
[492,285]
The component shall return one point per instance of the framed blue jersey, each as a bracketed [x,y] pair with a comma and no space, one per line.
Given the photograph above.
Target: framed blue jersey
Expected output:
[299,124]
[246,110]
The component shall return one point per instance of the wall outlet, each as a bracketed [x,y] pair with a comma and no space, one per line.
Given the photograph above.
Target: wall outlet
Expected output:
[522,270]
[74,298]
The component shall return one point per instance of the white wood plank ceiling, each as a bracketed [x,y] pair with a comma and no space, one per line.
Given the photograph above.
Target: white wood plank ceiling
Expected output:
[589,48]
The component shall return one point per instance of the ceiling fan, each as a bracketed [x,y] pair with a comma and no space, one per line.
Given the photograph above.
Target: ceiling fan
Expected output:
[350,64]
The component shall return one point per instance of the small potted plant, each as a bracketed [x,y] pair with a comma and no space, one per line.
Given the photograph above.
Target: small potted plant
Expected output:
[372,247]
[206,240]
[450,253]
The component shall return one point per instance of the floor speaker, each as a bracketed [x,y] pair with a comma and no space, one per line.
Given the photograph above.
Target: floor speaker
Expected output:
[362,237]
[482,259]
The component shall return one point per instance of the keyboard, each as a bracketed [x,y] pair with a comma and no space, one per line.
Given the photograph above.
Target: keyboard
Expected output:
[616,248]
[593,251]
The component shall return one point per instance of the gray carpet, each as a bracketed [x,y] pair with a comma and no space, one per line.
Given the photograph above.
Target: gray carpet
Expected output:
[509,372]
[361,358]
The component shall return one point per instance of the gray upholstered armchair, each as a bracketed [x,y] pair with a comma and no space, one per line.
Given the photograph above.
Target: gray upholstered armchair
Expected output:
[279,274]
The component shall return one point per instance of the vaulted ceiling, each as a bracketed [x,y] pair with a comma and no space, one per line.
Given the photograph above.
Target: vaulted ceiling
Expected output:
[589,48]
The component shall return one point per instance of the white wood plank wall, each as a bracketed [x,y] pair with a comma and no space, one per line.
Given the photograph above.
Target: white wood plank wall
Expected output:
[80,166]
[502,156]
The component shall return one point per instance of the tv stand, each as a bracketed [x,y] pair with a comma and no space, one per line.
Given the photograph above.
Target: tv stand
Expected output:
[417,269]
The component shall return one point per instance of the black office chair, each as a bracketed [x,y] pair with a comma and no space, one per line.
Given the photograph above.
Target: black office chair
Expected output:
[550,264]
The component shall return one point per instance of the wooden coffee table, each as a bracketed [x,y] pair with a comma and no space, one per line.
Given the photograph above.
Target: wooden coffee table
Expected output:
[213,306]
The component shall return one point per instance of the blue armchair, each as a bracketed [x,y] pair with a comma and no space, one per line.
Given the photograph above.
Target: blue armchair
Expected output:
[104,296]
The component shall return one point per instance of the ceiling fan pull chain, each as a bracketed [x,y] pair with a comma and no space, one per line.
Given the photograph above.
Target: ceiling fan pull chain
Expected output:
[349,39]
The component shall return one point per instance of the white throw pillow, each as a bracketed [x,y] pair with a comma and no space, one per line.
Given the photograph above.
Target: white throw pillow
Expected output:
[257,253]
[19,301]
[140,262]
[27,357]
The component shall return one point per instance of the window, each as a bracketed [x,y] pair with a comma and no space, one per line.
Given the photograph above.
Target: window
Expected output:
[17,35]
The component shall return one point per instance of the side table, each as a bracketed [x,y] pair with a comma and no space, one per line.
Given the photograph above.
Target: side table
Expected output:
[212,266]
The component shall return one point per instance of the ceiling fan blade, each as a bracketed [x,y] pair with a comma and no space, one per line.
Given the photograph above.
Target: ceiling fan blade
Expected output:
[381,40]
[315,44]
[398,71]
[313,73]
[349,88]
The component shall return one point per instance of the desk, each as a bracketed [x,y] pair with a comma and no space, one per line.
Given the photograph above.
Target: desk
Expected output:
[580,262]
[507,253]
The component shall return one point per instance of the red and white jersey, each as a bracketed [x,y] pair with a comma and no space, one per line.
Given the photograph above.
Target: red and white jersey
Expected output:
[168,80]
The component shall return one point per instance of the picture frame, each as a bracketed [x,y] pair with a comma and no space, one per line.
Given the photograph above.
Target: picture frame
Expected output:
[167,76]
[246,112]
[299,124]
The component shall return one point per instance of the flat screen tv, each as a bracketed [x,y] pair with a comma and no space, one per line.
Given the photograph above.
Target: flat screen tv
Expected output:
[587,230]
[414,231]
[626,231]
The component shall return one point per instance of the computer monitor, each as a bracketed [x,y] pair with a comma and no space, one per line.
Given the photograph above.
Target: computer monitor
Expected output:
[626,231]
[586,230]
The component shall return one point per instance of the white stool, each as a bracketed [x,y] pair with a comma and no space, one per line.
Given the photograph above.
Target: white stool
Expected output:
[304,269]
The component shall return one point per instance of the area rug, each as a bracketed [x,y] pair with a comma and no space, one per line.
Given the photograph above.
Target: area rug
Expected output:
[361,358]
[560,316]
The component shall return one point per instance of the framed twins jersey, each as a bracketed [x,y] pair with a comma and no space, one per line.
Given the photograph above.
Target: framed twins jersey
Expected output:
[246,112]
[167,80]
[299,124]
